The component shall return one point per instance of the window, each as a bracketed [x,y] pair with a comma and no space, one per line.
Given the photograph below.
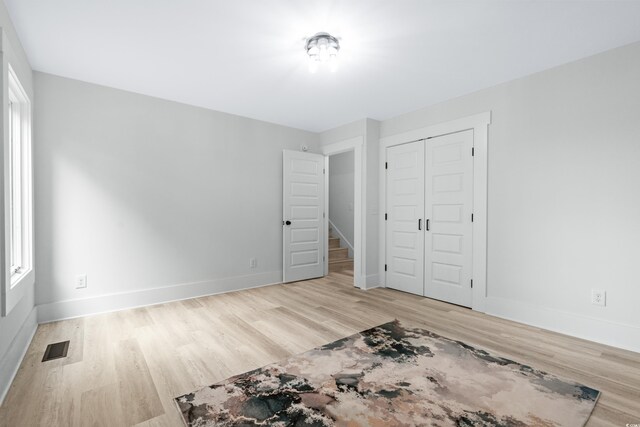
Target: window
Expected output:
[19,197]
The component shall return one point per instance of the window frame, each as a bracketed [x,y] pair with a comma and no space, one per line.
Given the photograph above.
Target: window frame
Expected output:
[20,215]
[16,121]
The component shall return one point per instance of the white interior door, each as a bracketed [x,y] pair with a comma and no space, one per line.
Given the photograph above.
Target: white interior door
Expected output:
[404,217]
[448,210]
[303,210]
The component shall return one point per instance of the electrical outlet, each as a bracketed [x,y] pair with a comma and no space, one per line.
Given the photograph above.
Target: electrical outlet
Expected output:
[598,297]
[81,281]
[253,263]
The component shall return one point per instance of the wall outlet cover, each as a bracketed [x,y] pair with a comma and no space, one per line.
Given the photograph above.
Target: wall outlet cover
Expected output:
[81,281]
[599,297]
[253,263]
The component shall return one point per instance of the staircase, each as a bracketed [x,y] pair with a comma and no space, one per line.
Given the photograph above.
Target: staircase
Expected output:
[338,257]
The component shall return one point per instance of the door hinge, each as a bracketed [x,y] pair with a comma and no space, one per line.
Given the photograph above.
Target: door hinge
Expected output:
[323,215]
[471,217]
[473,151]
[385,217]
[323,171]
[471,283]
[386,165]
[385,267]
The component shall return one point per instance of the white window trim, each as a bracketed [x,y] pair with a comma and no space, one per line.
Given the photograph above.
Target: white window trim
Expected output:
[14,284]
[20,110]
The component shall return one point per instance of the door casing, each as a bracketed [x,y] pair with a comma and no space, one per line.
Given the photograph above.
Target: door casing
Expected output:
[480,125]
[359,234]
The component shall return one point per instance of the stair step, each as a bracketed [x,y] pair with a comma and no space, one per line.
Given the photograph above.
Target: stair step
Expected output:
[338,253]
[334,242]
[339,265]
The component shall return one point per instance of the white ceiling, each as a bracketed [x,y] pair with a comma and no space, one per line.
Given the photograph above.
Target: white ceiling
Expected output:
[246,57]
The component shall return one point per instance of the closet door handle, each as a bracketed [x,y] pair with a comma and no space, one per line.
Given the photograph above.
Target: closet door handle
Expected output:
[419,223]
[427,224]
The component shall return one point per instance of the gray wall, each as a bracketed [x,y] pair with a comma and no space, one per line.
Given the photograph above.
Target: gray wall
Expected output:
[341,170]
[564,186]
[17,326]
[140,193]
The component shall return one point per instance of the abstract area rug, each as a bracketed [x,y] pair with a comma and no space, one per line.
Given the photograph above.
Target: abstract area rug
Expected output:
[391,375]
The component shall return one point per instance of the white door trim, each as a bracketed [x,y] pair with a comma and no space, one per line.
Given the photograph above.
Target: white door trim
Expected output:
[359,237]
[480,125]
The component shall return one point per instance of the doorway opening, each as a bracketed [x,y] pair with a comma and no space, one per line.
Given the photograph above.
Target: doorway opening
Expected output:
[341,193]
[347,157]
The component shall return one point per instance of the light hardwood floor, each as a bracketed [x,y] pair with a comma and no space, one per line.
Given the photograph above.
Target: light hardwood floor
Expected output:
[124,368]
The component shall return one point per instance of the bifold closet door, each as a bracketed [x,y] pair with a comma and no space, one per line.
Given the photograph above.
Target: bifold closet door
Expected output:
[405,217]
[448,209]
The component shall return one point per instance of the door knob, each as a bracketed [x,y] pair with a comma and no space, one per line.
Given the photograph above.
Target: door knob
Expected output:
[287,222]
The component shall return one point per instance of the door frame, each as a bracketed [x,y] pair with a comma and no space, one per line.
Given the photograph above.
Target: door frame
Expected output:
[479,123]
[359,236]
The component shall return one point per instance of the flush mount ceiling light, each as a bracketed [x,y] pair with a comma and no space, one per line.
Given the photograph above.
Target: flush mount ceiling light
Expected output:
[323,48]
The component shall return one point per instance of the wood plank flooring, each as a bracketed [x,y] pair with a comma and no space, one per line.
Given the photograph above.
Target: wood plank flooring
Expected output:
[124,368]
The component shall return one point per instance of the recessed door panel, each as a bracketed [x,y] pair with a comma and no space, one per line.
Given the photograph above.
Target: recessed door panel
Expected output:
[446,273]
[444,154]
[305,235]
[304,213]
[301,166]
[406,240]
[449,243]
[447,213]
[405,267]
[304,258]
[304,189]
[447,183]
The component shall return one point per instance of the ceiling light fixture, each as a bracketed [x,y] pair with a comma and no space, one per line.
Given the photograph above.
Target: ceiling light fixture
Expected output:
[322,48]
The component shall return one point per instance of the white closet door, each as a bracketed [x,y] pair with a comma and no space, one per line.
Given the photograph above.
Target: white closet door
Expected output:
[448,209]
[302,223]
[405,213]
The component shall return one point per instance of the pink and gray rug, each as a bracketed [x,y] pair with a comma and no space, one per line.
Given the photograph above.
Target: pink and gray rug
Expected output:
[391,375]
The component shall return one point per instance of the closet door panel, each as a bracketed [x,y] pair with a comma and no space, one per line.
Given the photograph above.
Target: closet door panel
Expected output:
[448,208]
[405,213]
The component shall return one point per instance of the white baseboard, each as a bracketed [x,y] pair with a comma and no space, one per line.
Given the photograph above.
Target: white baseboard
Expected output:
[615,334]
[11,361]
[119,301]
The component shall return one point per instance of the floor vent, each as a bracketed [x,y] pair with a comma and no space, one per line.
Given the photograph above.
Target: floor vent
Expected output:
[56,351]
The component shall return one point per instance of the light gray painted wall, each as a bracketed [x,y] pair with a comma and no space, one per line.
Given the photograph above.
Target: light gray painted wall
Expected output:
[341,170]
[138,192]
[17,326]
[344,132]
[564,183]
